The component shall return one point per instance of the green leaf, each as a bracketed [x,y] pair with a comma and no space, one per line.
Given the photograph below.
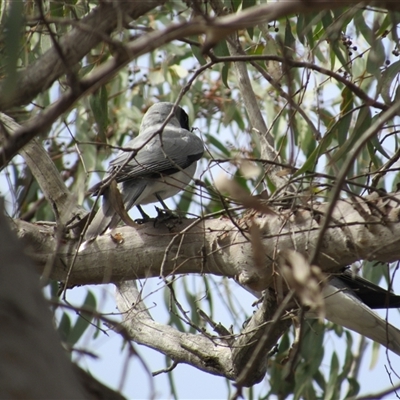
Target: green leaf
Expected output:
[221,49]
[332,389]
[375,140]
[362,124]
[327,22]
[186,200]
[373,271]
[338,52]
[385,85]
[377,145]
[326,116]
[342,18]
[311,161]
[209,297]
[215,142]
[384,25]
[98,328]
[372,155]
[241,180]
[174,320]
[320,380]
[376,59]
[54,288]
[290,41]
[375,355]
[300,28]
[361,26]
[56,9]
[311,21]
[64,327]
[99,106]
[354,388]
[170,376]
[84,319]
[312,349]
[225,74]
[346,110]
[157,76]
[192,301]
[198,54]
[236,4]
[349,360]
[12,44]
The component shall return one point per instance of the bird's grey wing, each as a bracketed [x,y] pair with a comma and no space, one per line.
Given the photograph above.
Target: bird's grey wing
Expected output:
[177,150]
[344,308]
[180,149]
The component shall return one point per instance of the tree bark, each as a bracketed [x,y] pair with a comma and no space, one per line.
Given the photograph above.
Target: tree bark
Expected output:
[367,230]
[33,363]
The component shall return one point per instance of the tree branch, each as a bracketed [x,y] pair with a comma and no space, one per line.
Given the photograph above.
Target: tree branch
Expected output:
[217,247]
[63,203]
[74,45]
[252,348]
[196,350]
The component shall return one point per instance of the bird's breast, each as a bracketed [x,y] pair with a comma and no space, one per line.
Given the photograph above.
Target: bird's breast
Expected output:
[166,186]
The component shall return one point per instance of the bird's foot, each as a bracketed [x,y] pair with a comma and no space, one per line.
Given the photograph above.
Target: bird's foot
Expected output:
[169,218]
[145,218]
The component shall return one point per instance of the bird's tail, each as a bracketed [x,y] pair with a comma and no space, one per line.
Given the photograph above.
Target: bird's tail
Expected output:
[106,217]
[344,308]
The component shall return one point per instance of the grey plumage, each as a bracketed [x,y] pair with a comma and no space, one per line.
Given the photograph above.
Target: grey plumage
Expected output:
[160,168]
[344,307]
[349,301]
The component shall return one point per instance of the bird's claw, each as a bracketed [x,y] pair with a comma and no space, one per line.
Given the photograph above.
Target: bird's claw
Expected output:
[142,221]
[169,218]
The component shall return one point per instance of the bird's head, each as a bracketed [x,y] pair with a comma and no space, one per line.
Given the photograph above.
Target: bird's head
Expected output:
[159,112]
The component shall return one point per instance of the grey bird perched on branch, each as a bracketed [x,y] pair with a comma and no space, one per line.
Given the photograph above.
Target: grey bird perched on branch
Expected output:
[161,163]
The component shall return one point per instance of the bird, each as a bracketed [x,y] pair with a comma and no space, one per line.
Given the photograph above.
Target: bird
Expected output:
[349,302]
[161,163]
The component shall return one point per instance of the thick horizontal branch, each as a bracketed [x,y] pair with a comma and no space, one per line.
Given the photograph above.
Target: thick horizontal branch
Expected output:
[369,230]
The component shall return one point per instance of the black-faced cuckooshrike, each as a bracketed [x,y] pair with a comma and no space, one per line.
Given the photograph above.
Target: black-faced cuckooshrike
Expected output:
[161,164]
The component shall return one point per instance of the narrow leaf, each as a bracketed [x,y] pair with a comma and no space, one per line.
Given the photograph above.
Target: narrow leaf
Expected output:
[84,319]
